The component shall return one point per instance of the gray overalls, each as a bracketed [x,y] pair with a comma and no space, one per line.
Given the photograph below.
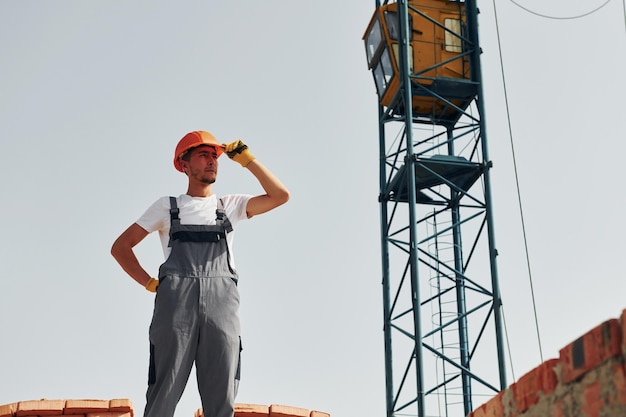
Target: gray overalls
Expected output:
[195,319]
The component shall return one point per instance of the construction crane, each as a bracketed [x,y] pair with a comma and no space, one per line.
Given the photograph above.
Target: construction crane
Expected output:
[443,330]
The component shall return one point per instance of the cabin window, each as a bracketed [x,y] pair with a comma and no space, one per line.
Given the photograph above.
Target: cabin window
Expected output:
[453,40]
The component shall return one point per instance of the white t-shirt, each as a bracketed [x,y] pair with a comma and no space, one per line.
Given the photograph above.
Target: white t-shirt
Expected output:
[193,210]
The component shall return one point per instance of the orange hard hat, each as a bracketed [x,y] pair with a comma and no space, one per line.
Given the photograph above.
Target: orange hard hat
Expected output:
[192,140]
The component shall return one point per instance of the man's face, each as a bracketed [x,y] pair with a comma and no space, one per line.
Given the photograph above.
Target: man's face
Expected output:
[202,165]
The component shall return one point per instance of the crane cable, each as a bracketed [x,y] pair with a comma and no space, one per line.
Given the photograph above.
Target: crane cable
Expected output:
[526,9]
[519,198]
[560,17]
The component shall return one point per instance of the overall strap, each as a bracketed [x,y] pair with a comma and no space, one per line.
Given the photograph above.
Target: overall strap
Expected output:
[220,213]
[174,219]
[198,233]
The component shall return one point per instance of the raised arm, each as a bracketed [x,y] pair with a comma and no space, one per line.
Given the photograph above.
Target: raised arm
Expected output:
[276,193]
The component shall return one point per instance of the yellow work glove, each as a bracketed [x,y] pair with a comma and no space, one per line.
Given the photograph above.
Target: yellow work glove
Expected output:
[152,285]
[239,152]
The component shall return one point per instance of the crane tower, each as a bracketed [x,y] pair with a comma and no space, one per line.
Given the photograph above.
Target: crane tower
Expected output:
[443,338]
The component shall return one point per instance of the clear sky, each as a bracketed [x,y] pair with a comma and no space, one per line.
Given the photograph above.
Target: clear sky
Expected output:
[95,94]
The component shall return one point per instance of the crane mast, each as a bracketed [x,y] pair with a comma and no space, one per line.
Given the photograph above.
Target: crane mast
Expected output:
[443,331]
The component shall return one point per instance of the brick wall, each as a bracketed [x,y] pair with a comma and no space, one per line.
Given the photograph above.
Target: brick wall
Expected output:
[587,380]
[77,408]
[124,408]
[274,410]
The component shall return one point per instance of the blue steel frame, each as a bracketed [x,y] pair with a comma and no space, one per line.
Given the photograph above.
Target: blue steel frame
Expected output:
[437,235]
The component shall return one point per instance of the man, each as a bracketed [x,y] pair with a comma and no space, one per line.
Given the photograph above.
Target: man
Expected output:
[195,315]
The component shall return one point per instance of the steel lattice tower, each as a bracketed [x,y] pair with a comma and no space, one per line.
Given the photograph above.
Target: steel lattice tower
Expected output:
[444,348]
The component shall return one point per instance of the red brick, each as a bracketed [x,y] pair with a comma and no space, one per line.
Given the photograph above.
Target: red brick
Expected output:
[85,406]
[557,410]
[617,393]
[287,411]
[251,410]
[492,408]
[587,352]
[542,379]
[623,322]
[549,380]
[109,414]
[39,408]
[7,410]
[121,404]
[479,412]
[592,400]
[315,413]
[568,403]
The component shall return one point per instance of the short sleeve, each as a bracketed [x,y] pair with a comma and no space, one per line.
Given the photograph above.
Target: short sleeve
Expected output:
[156,217]
[235,206]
